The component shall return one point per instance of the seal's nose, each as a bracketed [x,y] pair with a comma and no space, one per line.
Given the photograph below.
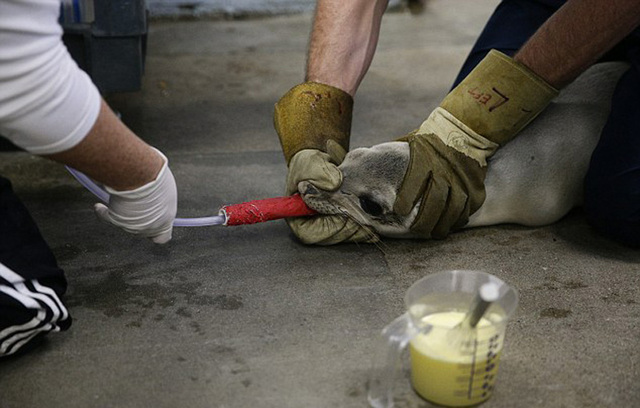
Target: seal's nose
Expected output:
[306,188]
[311,189]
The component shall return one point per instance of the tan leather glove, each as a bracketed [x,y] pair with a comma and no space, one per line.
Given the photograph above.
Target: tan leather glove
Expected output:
[313,122]
[449,151]
[318,168]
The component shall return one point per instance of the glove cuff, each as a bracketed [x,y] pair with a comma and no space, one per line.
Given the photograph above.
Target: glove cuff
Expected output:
[499,98]
[459,136]
[310,115]
[145,189]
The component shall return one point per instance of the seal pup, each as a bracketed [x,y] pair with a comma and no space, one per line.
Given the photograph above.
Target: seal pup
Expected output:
[534,180]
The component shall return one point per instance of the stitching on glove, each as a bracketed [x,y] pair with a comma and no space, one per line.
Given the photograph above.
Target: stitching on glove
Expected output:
[458,136]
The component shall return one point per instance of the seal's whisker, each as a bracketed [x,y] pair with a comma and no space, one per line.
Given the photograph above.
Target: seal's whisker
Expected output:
[346,213]
[351,212]
[371,236]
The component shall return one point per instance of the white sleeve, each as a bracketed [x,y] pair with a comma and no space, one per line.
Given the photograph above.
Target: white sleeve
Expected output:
[47,104]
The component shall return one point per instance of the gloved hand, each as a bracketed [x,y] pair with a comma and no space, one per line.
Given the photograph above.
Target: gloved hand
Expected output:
[148,211]
[320,169]
[449,151]
[313,122]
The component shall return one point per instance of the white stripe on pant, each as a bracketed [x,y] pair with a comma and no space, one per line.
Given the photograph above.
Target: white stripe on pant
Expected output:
[37,301]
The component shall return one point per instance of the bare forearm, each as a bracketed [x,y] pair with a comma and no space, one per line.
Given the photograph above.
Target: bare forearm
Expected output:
[343,41]
[576,36]
[113,155]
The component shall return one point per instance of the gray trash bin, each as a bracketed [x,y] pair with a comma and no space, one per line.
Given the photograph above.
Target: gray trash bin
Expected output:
[107,38]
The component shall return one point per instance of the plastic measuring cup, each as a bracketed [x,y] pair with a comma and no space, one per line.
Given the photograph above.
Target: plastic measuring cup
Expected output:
[443,371]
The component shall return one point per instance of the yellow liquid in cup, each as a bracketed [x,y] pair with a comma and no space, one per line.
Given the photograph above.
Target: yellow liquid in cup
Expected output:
[447,374]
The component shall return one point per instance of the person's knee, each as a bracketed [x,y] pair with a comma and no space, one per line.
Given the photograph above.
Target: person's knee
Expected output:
[612,207]
[16,336]
[28,311]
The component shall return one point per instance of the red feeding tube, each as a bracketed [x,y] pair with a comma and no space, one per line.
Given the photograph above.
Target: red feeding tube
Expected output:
[256,211]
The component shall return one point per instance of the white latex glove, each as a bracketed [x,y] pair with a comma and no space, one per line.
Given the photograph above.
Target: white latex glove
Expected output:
[148,211]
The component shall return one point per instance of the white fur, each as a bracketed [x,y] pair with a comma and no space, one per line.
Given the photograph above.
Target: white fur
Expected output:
[538,177]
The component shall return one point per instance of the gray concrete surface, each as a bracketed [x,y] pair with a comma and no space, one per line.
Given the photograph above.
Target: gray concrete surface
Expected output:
[226,8]
[248,317]
[233,8]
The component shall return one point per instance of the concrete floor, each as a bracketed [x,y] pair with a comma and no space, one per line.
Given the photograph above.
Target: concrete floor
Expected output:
[248,317]
[236,8]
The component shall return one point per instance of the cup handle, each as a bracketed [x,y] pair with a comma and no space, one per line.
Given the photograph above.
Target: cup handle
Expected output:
[393,340]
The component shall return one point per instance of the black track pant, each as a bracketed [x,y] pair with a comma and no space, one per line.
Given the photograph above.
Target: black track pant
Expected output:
[31,284]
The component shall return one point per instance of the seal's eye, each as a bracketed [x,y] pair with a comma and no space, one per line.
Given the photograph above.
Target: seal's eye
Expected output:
[370,207]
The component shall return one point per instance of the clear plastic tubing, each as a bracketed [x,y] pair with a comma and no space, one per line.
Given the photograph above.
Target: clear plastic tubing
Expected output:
[178,222]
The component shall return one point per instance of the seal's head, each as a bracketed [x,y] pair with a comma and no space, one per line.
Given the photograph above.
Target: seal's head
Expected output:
[371,180]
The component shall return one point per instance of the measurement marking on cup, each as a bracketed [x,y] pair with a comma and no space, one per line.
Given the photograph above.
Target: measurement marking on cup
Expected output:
[473,368]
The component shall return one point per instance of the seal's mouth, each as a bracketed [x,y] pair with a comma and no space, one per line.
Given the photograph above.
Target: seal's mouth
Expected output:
[319,200]
[322,206]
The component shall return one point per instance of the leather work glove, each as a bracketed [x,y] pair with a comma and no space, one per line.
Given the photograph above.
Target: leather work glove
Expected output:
[449,152]
[313,122]
[148,211]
